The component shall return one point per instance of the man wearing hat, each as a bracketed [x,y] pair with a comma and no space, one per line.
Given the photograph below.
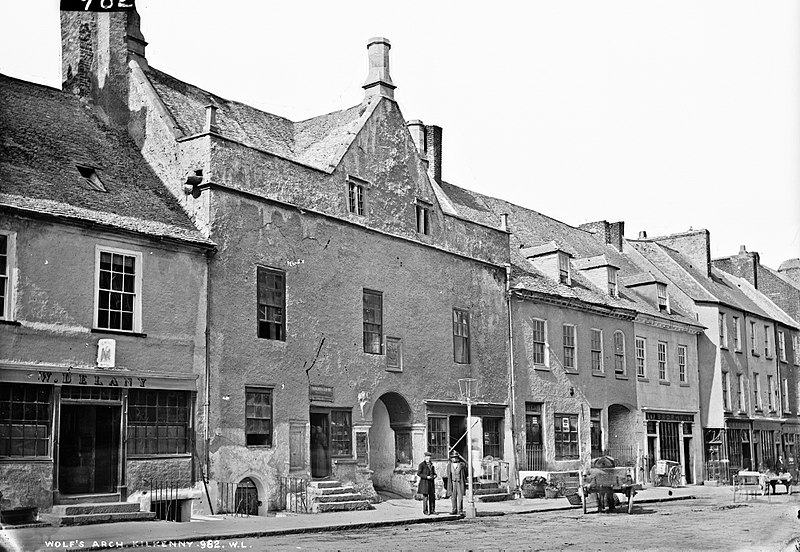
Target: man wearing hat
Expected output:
[455,481]
[427,474]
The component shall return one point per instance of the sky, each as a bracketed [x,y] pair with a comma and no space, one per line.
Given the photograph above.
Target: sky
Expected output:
[668,115]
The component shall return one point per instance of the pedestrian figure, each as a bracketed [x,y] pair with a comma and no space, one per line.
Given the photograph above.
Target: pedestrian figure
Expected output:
[427,474]
[596,481]
[455,481]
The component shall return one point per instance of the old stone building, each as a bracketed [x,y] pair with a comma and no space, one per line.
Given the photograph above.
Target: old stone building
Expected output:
[344,300]
[102,310]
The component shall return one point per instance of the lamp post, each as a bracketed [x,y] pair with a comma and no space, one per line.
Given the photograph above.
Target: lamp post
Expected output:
[468,387]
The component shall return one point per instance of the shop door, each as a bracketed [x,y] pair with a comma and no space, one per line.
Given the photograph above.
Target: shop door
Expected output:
[320,445]
[88,454]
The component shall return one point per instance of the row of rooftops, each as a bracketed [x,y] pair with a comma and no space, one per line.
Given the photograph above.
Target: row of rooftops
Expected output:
[49,135]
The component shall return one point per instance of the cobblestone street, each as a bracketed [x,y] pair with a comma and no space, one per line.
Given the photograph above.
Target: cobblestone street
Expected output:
[762,523]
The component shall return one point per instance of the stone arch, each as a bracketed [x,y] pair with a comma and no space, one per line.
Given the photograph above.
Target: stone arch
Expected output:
[261,490]
[622,433]
[390,442]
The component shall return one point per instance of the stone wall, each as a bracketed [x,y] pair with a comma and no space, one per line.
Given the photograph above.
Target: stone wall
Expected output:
[26,485]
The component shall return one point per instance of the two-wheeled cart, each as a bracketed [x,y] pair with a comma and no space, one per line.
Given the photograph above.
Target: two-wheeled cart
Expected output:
[667,472]
[613,480]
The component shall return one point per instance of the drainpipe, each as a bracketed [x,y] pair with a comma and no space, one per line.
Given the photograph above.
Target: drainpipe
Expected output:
[511,379]
[207,405]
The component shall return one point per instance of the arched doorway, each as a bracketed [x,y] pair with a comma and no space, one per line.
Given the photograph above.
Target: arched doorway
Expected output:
[622,434]
[246,498]
[390,442]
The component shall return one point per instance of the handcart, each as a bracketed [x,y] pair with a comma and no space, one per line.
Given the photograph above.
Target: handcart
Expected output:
[667,471]
[615,480]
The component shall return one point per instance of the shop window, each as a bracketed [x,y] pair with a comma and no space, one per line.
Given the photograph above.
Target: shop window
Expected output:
[158,422]
[271,304]
[566,436]
[373,322]
[437,436]
[341,433]
[118,290]
[258,417]
[493,437]
[24,420]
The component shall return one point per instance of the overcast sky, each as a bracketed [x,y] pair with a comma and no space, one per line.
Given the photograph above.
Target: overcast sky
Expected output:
[668,115]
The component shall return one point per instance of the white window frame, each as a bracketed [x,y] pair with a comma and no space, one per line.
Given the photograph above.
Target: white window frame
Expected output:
[767,342]
[737,334]
[663,361]
[723,330]
[574,331]
[663,297]
[785,395]
[613,288]
[620,354]
[771,388]
[641,359]
[137,300]
[10,310]
[682,361]
[758,404]
[422,212]
[781,346]
[601,368]
[741,393]
[726,391]
[546,346]
[753,338]
[564,270]
[355,185]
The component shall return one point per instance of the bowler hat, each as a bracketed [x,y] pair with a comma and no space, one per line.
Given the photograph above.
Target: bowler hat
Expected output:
[454,454]
[427,453]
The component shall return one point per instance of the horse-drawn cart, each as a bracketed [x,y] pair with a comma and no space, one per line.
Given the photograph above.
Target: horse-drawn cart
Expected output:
[604,483]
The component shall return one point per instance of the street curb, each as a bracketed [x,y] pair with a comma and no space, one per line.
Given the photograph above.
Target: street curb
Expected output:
[350,526]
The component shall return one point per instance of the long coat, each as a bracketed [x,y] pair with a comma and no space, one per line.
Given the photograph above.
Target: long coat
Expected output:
[427,475]
[450,480]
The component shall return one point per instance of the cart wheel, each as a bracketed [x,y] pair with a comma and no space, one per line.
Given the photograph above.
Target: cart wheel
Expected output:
[675,476]
[631,493]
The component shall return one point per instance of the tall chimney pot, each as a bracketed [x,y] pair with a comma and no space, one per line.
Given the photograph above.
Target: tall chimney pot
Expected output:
[379,81]
[642,234]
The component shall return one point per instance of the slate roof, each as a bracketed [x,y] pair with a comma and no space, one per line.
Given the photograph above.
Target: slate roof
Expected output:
[716,288]
[319,142]
[45,133]
[764,302]
[533,231]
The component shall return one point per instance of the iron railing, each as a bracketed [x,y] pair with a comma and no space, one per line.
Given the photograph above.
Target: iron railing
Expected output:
[293,495]
[164,500]
[534,458]
[237,500]
[624,456]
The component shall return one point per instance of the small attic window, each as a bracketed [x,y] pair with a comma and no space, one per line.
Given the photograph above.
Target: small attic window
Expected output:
[663,299]
[563,268]
[92,179]
[612,282]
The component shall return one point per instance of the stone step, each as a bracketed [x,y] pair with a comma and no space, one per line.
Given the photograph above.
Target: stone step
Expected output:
[496,497]
[487,490]
[324,484]
[345,497]
[89,498]
[90,519]
[95,508]
[350,505]
[331,491]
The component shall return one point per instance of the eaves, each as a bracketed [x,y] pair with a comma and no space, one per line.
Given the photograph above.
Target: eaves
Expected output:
[576,304]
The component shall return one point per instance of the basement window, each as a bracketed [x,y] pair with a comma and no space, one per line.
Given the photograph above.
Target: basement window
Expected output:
[89,174]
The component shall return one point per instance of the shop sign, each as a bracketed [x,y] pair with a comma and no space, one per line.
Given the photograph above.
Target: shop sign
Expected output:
[669,417]
[320,393]
[68,378]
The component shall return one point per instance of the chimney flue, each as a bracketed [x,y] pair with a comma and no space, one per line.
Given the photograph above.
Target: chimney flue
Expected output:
[504,222]
[642,234]
[379,81]
[211,119]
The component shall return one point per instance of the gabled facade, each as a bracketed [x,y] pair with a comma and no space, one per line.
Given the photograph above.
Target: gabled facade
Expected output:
[345,301]
[739,379]
[102,318]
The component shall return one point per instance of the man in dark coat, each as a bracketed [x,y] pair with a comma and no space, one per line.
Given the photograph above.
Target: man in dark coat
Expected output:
[426,487]
[455,482]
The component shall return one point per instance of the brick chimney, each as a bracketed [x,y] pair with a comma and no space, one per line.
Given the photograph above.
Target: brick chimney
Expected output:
[744,265]
[379,81]
[417,130]
[612,233]
[95,50]
[433,141]
[791,269]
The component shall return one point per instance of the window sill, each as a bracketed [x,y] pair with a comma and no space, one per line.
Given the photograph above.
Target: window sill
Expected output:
[755,354]
[621,376]
[374,354]
[259,446]
[685,384]
[541,367]
[663,382]
[723,347]
[10,323]
[643,379]
[395,369]
[159,456]
[117,332]
[599,374]
[737,351]
[26,459]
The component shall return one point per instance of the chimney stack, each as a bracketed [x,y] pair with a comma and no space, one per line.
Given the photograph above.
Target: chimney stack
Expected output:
[379,82]
[642,234]
[417,130]
[211,119]
[433,143]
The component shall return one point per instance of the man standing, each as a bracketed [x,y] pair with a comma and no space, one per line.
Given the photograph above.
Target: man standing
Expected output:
[455,481]
[427,474]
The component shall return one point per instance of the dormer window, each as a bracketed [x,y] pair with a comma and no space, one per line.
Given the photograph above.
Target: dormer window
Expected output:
[356,196]
[423,210]
[612,282]
[663,300]
[563,269]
